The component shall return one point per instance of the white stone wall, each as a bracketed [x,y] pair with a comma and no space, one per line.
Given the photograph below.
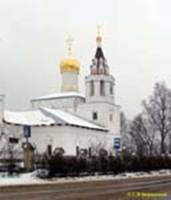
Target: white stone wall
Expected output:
[66,137]
[104,111]
[104,106]
[67,103]
[69,138]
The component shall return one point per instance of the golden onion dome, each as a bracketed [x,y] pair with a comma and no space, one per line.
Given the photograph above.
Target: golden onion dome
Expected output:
[70,65]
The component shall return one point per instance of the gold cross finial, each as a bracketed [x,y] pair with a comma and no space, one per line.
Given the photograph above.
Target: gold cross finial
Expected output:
[98,30]
[69,42]
[98,38]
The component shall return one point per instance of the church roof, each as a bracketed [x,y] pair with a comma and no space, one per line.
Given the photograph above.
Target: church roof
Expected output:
[58,96]
[99,53]
[31,117]
[47,117]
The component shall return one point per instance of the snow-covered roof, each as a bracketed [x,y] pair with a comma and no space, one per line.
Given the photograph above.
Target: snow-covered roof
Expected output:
[72,119]
[32,117]
[46,117]
[59,95]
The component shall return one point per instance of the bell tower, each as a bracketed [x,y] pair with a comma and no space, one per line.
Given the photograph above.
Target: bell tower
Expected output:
[100,107]
[99,83]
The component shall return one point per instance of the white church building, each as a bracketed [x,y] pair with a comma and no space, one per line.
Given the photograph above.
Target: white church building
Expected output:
[70,119]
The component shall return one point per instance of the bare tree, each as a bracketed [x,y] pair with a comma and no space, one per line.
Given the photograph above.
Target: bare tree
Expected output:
[142,136]
[97,147]
[123,124]
[124,130]
[158,112]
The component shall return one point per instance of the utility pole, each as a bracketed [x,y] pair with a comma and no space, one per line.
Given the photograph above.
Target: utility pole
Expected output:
[2,101]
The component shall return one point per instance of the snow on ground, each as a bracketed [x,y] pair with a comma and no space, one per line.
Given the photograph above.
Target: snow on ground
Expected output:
[31,178]
[24,179]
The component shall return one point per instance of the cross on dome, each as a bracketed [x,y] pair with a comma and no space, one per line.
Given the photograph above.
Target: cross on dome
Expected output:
[99,38]
[69,64]
[69,42]
[98,30]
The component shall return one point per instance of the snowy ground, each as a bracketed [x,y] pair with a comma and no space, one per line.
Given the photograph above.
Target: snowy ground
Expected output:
[24,179]
[31,178]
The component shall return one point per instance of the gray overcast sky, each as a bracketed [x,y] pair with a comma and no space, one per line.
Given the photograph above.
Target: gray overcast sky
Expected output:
[136,43]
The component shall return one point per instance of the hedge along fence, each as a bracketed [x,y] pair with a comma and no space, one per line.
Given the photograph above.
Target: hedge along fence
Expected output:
[59,165]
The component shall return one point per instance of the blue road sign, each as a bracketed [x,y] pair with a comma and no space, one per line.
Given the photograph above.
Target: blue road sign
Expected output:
[117,143]
[27,131]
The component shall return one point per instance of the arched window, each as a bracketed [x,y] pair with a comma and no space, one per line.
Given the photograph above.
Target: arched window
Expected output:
[110,117]
[95,116]
[92,88]
[111,88]
[102,88]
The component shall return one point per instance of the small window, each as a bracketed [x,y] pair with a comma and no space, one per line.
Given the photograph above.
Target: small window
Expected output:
[111,117]
[111,88]
[95,116]
[91,88]
[49,150]
[102,88]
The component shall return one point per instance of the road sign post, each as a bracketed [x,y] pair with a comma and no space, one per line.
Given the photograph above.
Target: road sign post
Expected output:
[117,143]
[27,132]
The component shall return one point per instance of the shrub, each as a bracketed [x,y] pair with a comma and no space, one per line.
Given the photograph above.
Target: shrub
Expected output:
[59,165]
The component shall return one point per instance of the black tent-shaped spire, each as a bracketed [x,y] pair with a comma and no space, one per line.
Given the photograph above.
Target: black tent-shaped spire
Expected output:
[99,53]
[99,64]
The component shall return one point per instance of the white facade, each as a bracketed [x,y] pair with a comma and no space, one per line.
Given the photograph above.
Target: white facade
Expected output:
[97,117]
[66,137]
[67,101]
[98,105]
[57,128]
[108,115]
[100,101]
[69,138]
